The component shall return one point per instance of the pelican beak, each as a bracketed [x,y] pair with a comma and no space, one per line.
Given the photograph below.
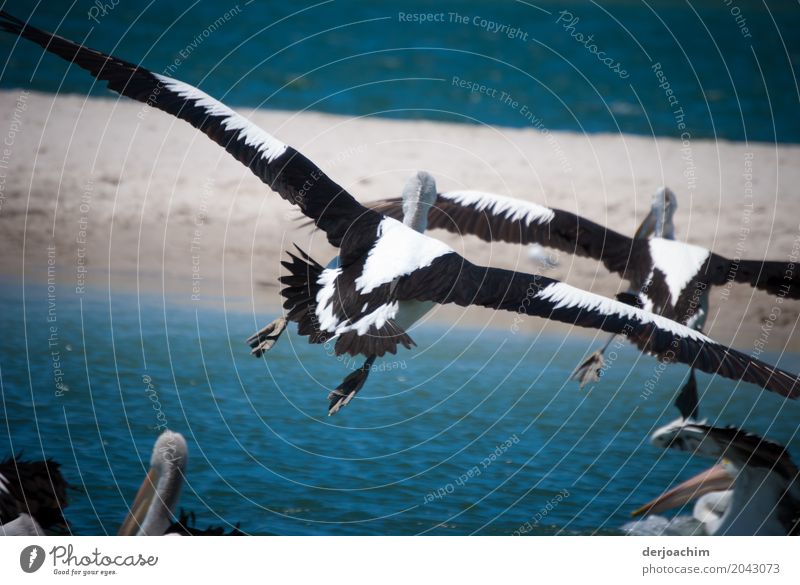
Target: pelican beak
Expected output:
[647,227]
[144,497]
[714,479]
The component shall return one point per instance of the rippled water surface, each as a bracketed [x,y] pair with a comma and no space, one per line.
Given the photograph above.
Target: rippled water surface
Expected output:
[473,432]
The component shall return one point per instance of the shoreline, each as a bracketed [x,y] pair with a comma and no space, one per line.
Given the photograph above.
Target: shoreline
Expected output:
[157,206]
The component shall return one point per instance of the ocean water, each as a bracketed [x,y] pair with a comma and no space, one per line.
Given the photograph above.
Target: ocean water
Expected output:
[731,67]
[473,432]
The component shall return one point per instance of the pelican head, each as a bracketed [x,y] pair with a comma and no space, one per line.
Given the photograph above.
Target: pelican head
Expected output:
[686,435]
[659,222]
[153,507]
[419,195]
[755,478]
[736,448]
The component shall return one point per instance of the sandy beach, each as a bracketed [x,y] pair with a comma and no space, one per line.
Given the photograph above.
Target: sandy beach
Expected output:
[107,193]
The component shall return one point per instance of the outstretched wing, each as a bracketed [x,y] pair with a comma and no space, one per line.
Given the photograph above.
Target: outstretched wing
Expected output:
[285,170]
[777,278]
[498,218]
[452,279]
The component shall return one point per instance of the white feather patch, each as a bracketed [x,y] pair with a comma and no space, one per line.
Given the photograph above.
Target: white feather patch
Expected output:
[679,262]
[398,251]
[698,318]
[327,320]
[269,146]
[378,318]
[508,207]
[647,302]
[566,296]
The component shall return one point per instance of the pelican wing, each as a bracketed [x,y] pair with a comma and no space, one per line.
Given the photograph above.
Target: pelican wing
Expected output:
[498,218]
[775,277]
[450,278]
[285,170]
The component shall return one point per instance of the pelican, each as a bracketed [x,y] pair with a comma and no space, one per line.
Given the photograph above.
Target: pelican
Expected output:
[153,508]
[33,495]
[753,489]
[659,224]
[715,482]
[383,262]
[419,194]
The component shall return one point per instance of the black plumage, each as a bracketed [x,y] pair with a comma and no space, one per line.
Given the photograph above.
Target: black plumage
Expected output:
[36,488]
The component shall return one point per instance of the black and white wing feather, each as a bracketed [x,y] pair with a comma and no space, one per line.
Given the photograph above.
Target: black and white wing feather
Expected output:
[452,279]
[288,172]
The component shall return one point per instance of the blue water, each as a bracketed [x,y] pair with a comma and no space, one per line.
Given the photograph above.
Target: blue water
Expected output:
[263,452]
[358,58]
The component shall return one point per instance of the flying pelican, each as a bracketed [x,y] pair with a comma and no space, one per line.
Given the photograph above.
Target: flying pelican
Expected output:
[658,224]
[382,261]
[753,490]
[33,495]
[419,194]
[153,508]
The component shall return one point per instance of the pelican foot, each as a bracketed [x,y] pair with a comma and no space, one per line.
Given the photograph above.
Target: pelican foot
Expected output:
[589,370]
[345,392]
[262,341]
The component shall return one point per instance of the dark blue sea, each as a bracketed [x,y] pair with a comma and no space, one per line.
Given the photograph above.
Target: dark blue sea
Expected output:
[723,69]
[475,431]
